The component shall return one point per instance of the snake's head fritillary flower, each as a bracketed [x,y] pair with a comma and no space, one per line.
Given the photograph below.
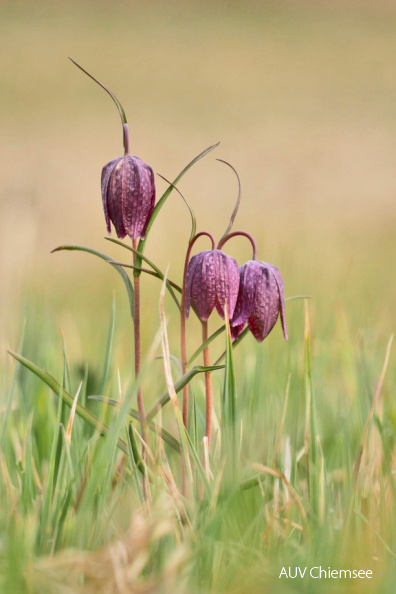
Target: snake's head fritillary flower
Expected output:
[128,194]
[212,280]
[261,299]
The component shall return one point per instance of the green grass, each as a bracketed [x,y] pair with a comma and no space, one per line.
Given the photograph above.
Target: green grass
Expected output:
[73,517]
[302,98]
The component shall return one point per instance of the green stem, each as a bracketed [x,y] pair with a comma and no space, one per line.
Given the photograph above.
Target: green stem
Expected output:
[116,101]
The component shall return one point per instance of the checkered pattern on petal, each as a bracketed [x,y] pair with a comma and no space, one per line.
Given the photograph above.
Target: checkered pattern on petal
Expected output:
[128,193]
[212,280]
[106,174]
[260,300]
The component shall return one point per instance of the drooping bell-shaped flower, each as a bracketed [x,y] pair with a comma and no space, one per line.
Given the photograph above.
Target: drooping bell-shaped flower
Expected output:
[128,189]
[212,280]
[128,194]
[260,300]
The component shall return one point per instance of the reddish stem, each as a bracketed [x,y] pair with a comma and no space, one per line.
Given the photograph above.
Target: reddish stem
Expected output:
[235,234]
[183,320]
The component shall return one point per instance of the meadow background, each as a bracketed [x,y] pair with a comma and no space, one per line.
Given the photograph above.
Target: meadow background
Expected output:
[302,97]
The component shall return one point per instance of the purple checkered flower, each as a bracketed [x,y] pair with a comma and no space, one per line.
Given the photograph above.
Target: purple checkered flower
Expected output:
[128,194]
[260,300]
[212,280]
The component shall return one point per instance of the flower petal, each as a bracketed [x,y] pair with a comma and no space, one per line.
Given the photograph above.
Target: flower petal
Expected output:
[115,199]
[105,179]
[249,276]
[193,263]
[227,282]
[266,305]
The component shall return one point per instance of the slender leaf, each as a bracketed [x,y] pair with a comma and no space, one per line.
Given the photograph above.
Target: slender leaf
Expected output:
[149,262]
[179,385]
[134,450]
[192,214]
[229,414]
[205,344]
[238,202]
[166,194]
[151,273]
[51,382]
[120,270]
[157,429]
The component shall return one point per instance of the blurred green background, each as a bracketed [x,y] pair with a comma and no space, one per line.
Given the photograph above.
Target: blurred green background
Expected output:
[302,96]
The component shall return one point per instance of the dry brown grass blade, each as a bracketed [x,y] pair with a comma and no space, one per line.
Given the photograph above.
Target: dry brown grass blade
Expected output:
[117,568]
[376,398]
[293,494]
[282,423]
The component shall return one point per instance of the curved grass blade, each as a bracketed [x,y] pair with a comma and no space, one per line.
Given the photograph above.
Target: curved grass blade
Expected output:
[229,403]
[169,284]
[140,257]
[166,194]
[192,214]
[179,385]
[234,344]
[120,270]
[238,202]
[151,273]
[136,457]
[116,101]
[166,436]
[82,412]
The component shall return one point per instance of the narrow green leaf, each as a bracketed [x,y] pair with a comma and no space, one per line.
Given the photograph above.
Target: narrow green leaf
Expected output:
[116,101]
[135,450]
[234,344]
[151,273]
[238,202]
[149,262]
[205,344]
[120,270]
[192,214]
[157,429]
[51,382]
[229,413]
[179,385]
[166,194]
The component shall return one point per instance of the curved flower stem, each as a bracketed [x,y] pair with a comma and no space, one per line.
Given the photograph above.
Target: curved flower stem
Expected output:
[136,325]
[183,319]
[125,129]
[235,234]
[208,385]
[183,338]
